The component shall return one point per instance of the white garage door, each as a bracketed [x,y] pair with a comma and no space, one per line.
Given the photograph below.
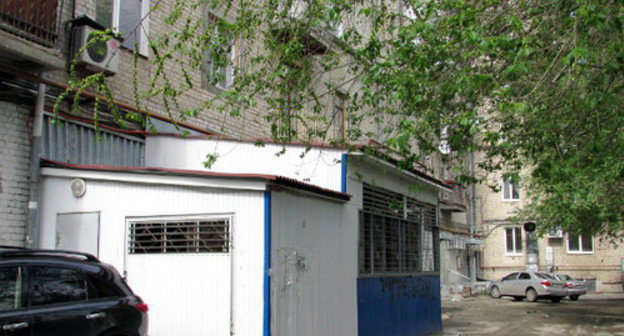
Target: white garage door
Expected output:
[182,270]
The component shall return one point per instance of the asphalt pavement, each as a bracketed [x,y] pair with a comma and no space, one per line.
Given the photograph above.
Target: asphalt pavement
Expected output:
[592,314]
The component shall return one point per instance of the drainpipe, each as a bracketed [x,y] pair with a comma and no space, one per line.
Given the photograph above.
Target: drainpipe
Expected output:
[472,214]
[32,224]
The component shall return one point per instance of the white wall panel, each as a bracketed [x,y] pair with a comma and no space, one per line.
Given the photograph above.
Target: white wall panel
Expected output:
[118,201]
[319,166]
[313,267]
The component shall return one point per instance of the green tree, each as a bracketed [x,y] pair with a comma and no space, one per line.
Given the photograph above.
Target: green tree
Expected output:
[527,83]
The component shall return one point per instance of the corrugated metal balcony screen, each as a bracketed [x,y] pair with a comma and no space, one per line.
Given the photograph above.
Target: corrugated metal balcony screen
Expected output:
[34,20]
[77,142]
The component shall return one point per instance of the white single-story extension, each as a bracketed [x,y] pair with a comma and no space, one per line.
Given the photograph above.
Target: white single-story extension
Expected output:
[267,241]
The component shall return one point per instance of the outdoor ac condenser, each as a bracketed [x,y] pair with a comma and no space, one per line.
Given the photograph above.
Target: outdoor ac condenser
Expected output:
[97,56]
[555,234]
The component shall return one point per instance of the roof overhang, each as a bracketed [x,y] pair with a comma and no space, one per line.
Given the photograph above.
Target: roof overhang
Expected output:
[418,175]
[190,178]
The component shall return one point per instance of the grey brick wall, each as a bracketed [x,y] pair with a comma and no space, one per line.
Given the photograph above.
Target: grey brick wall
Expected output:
[14,165]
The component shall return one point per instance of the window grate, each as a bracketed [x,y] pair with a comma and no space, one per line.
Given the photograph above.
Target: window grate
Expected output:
[398,234]
[201,236]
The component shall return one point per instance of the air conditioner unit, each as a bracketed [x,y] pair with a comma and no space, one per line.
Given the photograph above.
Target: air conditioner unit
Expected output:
[97,56]
[555,234]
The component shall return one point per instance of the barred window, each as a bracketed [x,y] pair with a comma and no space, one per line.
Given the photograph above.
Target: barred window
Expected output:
[184,236]
[398,234]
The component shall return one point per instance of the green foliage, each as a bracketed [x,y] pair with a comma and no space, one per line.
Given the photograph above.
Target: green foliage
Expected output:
[533,84]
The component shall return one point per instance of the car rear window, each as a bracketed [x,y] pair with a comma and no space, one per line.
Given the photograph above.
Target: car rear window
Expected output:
[104,288]
[545,276]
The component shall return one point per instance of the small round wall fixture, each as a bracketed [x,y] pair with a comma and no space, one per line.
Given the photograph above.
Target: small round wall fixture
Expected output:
[78,187]
[529,227]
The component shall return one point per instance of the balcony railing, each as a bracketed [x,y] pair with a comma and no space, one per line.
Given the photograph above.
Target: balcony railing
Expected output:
[34,20]
[454,200]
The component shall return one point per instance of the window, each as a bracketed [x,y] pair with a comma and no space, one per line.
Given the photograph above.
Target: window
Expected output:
[513,240]
[524,276]
[511,189]
[444,146]
[220,55]
[580,243]
[51,285]
[128,17]
[334,21]
[103,289]
[285,127]
[196,236]
[10,288]
[398,234]
[545,276]
[340,116]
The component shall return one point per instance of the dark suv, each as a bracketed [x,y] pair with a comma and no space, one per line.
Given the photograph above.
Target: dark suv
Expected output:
[50,292]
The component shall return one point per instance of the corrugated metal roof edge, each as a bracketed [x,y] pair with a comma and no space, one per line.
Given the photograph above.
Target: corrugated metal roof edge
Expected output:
[276,179]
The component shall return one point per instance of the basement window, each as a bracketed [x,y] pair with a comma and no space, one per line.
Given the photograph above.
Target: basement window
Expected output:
[192,236]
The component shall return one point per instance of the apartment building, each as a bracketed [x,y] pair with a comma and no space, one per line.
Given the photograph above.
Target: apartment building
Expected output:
[508,246]
[101,179]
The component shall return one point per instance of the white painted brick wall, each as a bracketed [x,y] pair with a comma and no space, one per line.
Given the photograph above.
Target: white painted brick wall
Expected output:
[14,165]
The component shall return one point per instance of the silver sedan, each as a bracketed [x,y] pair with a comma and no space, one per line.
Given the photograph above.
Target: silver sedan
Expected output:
[576,287]
[529,285]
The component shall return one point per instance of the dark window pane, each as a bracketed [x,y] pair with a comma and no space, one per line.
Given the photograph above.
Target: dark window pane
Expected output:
[524,276]
[587,243]
[506,191]
[52,285]
[509,240]
[104,289]
[518,239]
[515,191]
[104,13]
[573,242]
[129,22]
[10,288]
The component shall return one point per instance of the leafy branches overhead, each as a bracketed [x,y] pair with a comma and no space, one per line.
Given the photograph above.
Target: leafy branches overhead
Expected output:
[529,83]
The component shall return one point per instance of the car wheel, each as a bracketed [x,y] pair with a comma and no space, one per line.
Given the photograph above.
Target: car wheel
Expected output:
[518,298]
[555,299]
[531,295]
[495,292]
[574,297]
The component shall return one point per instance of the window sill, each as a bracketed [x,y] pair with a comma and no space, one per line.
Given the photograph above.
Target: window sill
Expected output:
[581,252]
[514,254]
[512,200]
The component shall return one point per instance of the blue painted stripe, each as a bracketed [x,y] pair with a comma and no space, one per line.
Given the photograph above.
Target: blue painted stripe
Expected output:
[343,182]
[267,264]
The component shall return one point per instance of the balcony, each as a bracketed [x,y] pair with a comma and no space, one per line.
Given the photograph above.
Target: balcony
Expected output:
[454,201]
[29,35]
[33,20]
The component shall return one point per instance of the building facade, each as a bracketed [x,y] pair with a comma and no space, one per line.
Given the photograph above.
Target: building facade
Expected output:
[508,247]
